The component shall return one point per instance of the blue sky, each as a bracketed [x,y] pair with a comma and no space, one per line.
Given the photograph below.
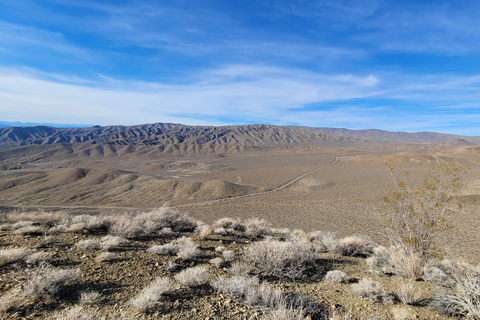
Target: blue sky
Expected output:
[392,65]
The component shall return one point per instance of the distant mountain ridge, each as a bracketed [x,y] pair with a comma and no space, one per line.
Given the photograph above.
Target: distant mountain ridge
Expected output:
[200,137]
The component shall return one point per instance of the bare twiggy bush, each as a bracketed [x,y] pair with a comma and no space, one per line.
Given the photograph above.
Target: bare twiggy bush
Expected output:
[280,259]
[228,255]
[326,241]
[463,296]
[42,217]
[216,262]
[151,295]
[38,258]
[297,235]
[89,244]
[240,268]
[413,218]
[193,277]
[46,280]
[113,242]
[256,228]
[105,256]
[336,276]
[13,255]
[90,297]
[367,288]
[410,293]
[229,223]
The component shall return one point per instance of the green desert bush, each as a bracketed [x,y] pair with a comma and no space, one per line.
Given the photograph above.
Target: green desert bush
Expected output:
[413,218]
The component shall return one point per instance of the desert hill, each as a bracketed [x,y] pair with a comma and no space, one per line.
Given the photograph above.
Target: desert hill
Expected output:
[214,139]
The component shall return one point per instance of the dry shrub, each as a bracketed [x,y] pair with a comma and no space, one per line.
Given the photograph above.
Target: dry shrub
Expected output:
[105,256]
[163,249]
[38,258]
[152,223]
[356,245]
[110,242]
[228,255]
[90,297]
[336,276]
[216,262]
[285,312]
[339,314]
[44,218]
[380,259]
[220,249]
[240,268]
[229,223]
[10,299]
[151,295]
[236,286]
[220,231]
[90,244]
[193,277]
[170,266]
[87,313]
[30,230]
[463,296]
[255,228]
[14,255]
[437,276]
[204,232]
[410,293]
[185,248]
[280,259]
[367,288]
[46,280]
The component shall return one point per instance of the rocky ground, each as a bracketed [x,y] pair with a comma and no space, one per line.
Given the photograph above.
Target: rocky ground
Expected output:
[128,268]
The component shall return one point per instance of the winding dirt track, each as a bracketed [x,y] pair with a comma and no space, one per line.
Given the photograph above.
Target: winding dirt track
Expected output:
[283,186]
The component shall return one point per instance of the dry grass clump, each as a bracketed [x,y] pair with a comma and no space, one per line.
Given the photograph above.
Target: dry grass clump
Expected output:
[89,244]
[255,228]
[41,217]
[90,297]
[193,277]
[47,280]
[462,298]
[285,312]
[170,266]
[105,256]
[8,256]
[152,223]
[410,293]
[80,312]
[283,259]
[369,289]
[148,298]
[402,313]
[408,265]
[110,242]
[336,276]
[81,223]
